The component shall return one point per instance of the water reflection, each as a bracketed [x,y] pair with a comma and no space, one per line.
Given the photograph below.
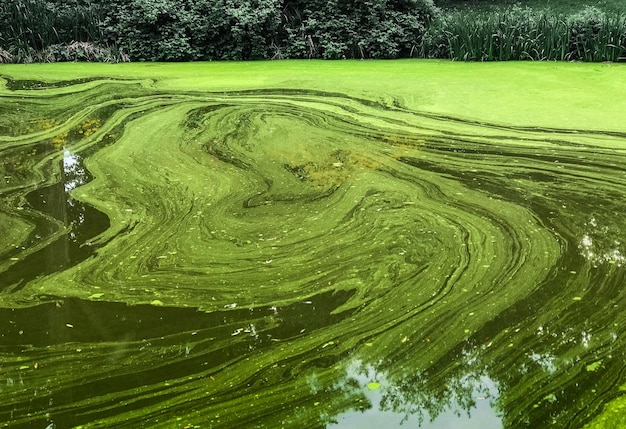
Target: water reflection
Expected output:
[67,225]
[471,402]
[602,244]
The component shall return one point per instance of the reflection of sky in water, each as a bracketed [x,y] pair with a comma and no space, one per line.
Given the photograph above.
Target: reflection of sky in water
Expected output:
[74,175]
[545,361]
[480,414]
[73,170]
[601,244]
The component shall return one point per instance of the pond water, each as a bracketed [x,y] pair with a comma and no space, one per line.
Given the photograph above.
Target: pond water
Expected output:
[307,244]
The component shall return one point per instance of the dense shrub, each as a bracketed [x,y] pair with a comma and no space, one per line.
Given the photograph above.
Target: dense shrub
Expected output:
[237,29]
[189,30]
[180,30]
[150,30]
[356,28]
[184,30]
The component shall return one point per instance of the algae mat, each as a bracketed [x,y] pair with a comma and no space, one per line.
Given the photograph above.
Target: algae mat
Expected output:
[312,244]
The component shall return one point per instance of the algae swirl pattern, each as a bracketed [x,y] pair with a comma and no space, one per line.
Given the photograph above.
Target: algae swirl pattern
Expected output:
[283,257]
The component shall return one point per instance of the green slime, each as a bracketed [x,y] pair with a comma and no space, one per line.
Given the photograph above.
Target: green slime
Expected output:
[422,226]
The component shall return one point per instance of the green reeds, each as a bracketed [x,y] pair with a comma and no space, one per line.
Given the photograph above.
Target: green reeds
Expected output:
[28,27]
[524,34]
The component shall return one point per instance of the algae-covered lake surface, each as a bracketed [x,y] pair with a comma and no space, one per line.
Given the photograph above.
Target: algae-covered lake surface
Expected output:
[312,245]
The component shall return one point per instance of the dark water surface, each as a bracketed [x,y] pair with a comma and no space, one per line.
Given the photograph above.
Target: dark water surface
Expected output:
[295,258]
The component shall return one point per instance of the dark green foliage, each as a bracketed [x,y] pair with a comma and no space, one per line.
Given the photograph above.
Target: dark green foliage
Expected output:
[190,30]
[238,29]
[597,36]
[356,28]
[181,30]
[184,30]
[150,30]
[553,7]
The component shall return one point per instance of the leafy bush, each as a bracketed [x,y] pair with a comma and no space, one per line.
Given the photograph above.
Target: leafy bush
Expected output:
[237,29]
[150,30]
[184,30]
[181,30]
[336,29]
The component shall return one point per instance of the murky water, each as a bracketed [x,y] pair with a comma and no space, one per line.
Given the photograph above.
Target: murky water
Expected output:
[302,258]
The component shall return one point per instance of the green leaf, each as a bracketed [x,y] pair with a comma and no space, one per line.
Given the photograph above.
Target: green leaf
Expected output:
[373,385]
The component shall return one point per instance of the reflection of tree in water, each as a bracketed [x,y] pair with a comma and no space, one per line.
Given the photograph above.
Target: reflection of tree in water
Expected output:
[53,201]
[63,224]
[426,398]
[56,201]
[80,220]
[74,175]
[418,397]
[547,374]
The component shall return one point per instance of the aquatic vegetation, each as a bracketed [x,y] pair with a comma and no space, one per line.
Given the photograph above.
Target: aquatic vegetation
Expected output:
[303,244]
[527,34]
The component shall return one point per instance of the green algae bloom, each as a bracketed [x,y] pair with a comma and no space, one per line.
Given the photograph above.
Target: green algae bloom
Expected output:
[253,244]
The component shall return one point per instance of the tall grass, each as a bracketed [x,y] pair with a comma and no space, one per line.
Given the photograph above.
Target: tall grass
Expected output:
[525,34]
[567,7]
[28,27]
